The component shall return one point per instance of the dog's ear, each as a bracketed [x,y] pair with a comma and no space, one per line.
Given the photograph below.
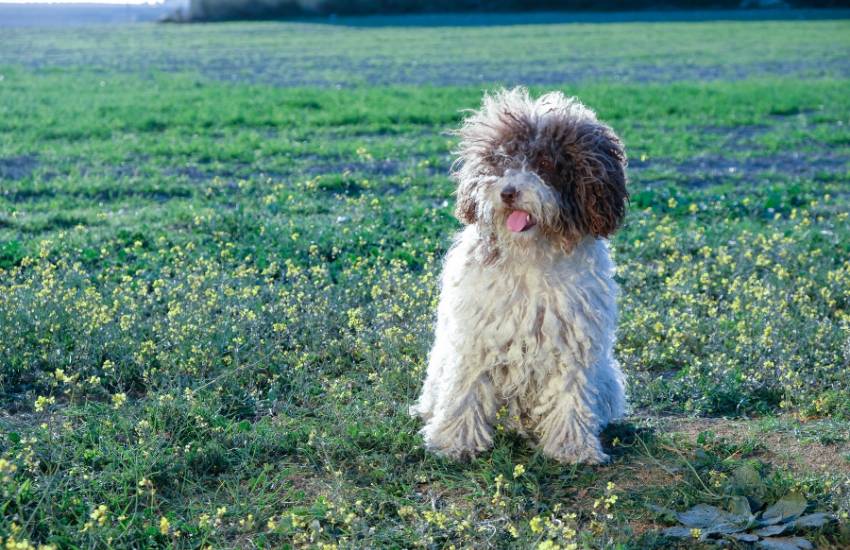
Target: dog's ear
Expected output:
[599,191]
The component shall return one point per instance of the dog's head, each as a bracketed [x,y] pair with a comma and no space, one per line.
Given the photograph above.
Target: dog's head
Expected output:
[530,169]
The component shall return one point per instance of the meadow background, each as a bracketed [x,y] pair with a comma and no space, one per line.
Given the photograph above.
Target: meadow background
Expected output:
[218,256]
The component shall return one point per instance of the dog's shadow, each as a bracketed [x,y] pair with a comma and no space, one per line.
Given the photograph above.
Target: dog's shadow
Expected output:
[625,439]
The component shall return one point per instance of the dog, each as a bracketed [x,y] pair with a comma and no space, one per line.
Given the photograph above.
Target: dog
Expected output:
[527,313]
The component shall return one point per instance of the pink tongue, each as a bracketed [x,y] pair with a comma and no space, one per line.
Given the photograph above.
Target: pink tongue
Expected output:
[518,220]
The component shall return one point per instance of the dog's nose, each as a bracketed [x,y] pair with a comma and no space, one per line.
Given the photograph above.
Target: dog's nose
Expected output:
[509,194]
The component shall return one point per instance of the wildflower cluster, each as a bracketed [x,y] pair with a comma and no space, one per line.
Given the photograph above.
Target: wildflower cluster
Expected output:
[77,335]
[555,531]
[448,526]
[177,359]
[729,321]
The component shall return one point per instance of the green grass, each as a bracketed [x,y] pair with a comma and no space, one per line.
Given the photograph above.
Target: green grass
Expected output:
[217,288]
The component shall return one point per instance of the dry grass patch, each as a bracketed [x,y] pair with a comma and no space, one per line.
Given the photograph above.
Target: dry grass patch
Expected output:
[820,447]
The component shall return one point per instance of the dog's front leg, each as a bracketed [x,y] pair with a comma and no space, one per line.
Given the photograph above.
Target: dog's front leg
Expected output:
[462,424]
[570,419]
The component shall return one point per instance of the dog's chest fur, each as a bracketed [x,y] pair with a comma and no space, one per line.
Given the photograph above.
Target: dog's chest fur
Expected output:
[522,317]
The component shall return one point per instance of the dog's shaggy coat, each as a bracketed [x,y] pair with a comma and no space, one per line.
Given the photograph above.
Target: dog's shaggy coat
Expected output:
[527,310]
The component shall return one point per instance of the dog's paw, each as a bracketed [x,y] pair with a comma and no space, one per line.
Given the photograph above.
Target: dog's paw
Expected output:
[454,450]
[449,445]
[421,410]
[460,454]
[578,454]
[414,411]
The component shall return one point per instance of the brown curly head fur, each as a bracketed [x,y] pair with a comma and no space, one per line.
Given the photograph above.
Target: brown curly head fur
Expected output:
[560,140]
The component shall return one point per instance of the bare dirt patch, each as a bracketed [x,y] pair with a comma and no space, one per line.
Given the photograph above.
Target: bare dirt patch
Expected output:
[781,447]
[711,169]
[17,168]
[789,163]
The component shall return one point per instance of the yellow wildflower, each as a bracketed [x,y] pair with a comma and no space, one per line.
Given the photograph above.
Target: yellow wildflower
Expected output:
[43,401]
[118,400]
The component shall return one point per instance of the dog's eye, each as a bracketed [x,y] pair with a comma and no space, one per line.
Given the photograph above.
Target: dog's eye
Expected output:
[545,163]
[493,164]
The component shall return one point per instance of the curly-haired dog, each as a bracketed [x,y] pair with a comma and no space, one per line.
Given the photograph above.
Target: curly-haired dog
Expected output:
[527,309]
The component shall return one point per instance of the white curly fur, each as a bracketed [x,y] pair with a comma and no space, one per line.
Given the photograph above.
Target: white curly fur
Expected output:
[529,327]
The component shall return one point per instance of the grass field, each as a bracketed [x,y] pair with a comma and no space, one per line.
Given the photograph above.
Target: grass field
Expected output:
[218,257]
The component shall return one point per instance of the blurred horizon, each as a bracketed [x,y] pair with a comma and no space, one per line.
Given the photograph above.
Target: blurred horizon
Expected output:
[71,13]
[92,2]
